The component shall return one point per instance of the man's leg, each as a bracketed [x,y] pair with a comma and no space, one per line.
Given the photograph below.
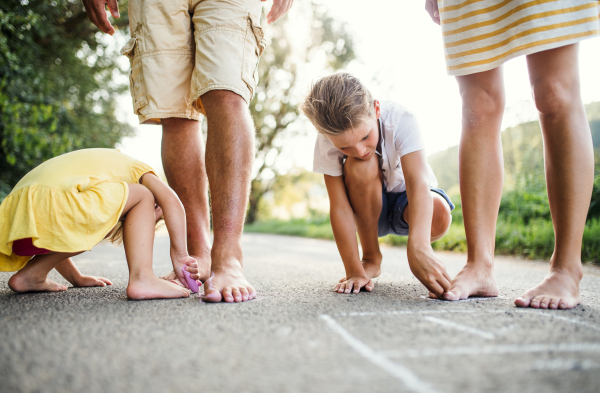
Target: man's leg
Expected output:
[481,177]
[230,153]
[183,161]
[569,162]
[363,184]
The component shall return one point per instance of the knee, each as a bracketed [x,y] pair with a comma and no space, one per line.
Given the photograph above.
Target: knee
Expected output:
[359,173]
[222,100]
[482,104]
[552,97]
[442,217]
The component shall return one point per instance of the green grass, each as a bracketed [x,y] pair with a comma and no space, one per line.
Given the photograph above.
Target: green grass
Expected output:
[534,240]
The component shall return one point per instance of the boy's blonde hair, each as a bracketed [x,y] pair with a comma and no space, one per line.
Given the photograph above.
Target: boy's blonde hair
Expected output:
[337,103]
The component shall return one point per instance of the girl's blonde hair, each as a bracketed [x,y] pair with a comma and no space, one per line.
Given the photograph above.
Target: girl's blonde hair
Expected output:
[116,237]
[337,103]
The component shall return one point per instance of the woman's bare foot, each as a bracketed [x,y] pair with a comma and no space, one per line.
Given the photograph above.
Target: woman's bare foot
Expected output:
[560,289]
[21,282]
[154,288]
[473,280]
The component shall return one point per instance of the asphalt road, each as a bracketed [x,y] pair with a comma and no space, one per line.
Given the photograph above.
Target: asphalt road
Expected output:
[298,336]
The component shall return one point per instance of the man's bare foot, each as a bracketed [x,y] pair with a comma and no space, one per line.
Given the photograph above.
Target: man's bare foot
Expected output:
[560,289]
[154,288]
[20,282]
[473,280]
[228,284]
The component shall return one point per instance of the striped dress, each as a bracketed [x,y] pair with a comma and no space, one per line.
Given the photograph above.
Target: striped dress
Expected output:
[480,35]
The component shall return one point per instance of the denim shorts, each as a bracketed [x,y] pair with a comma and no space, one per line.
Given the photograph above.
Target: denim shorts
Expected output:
[391,219]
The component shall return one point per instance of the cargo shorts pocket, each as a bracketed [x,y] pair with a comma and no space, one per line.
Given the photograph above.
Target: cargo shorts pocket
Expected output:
[136,80]
[254,46]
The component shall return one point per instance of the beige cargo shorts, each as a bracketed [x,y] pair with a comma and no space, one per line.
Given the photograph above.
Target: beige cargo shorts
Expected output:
[181,49]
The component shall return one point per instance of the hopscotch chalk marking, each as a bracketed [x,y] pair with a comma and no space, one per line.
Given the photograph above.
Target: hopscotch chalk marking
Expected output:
[462,328]
[493,350]
[471,299]
[410,380]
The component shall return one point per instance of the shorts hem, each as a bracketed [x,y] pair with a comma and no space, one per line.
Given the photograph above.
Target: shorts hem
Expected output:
[220,86]
[156,116]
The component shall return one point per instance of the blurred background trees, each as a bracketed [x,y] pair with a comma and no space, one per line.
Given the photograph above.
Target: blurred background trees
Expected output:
[279,91]
[58,85]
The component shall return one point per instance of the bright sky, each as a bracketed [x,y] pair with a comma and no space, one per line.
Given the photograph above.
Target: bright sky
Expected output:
[400,58]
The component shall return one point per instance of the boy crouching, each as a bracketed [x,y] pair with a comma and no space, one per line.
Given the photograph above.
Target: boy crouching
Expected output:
[378,181]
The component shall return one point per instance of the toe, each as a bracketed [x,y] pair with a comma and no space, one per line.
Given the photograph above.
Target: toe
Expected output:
[553,304]
[244,293]
[227,296]
[524,301]
[544,302]
[251,293]
[237,295]
[535,302]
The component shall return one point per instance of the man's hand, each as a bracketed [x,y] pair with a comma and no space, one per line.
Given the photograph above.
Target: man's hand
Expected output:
[279,8]
[432,7]
[96,12]
[91,281]
[357,282]
[428,269]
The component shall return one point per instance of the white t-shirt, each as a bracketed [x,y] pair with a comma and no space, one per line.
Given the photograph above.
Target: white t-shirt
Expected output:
[400,135]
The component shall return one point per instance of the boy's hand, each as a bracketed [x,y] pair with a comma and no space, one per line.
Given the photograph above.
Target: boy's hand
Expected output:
[91,281]
[428,269]
[347,284]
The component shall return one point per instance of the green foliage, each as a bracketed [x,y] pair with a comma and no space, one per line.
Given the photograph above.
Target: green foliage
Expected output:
[57,85]
[319,228]
[278,93]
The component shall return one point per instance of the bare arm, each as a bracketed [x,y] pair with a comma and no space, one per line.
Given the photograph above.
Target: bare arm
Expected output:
[279,8]
[344,232]
[174,214]
[423,263]
[69,271]
[432,8]
[96,13]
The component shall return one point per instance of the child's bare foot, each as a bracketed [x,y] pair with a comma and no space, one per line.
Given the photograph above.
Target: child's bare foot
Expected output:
[560,289]
[228,284]
[21,282]
[473,280]
[154,288]
[372,268]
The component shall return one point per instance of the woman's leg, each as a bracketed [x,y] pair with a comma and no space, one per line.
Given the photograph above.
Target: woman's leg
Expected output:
[481,178]
[363,184]
[138,239]
[569,162]
[34,276]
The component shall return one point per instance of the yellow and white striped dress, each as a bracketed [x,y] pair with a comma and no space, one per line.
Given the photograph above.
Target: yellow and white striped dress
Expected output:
[480,35]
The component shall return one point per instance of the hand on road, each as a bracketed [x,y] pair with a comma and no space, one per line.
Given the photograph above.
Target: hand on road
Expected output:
[91,281]
[96,12]
[187,262]
[428,269]
[347,284]
[279,8]
[432,7]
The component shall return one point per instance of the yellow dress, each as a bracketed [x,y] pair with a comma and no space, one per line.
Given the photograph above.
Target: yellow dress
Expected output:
[68,203]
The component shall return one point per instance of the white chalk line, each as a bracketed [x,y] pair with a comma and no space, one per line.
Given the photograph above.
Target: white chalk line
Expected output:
[493,350]
[462,328]
[521,311]
[471,299]
[410,380]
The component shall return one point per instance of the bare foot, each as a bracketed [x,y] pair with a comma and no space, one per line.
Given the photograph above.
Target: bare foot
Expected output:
[154,288]
[372,268]
[560,289]
[228,284]
[475,280]
[20,282]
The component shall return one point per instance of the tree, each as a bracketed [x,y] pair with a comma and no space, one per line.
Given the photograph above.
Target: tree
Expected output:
[58,84]
[278,93]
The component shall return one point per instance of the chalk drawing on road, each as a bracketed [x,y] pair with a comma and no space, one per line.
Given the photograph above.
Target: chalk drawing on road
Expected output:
[471,299]
[461,327]
[564,364]
[410,380]
[493,350]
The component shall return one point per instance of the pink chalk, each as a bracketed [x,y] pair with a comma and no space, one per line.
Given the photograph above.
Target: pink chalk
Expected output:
[193,285]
